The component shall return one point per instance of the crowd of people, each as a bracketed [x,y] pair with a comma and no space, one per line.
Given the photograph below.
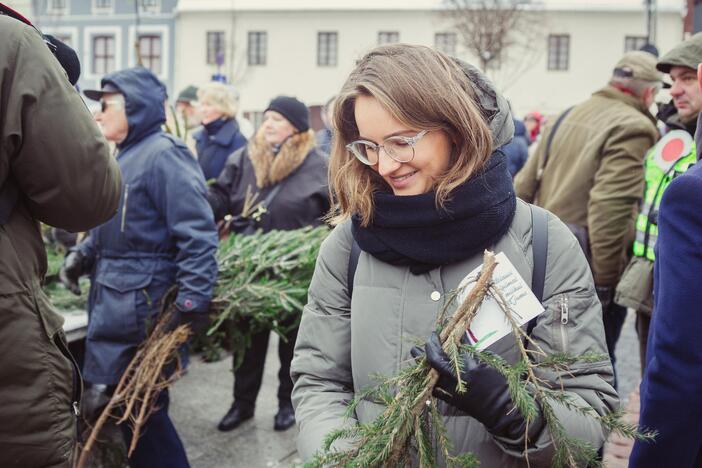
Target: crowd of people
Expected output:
[414,185]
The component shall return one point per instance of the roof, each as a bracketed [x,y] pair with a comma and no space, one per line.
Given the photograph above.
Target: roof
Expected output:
[355,5]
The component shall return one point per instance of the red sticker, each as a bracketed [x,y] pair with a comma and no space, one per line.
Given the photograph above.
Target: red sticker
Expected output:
[188,304]
[673,150]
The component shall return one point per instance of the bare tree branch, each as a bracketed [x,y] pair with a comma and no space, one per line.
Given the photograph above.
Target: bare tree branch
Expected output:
[497,32]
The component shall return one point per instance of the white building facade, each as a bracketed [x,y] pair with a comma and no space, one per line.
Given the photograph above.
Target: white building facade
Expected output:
[306,48]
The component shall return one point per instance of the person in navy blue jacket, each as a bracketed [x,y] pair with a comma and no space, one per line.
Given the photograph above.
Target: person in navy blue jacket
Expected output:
[517,150]
[219,135]
[162,235]
[671,391]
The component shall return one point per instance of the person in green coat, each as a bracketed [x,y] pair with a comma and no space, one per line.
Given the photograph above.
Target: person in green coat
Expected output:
[671,157]
[593,176]
[57,164]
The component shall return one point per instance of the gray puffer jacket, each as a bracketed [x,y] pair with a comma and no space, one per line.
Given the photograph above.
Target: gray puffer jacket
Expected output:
[342,343]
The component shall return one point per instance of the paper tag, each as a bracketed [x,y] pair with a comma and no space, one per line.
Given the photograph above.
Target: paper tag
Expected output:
[490,324]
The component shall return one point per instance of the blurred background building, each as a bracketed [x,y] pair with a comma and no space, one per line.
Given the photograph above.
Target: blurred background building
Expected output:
[553,54]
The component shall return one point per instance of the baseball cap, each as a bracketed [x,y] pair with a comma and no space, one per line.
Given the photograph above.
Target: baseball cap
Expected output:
[638,65]
[96,94]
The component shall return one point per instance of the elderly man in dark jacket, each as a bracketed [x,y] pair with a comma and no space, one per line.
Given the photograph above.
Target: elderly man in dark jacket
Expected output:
[671,398]
[40,156]
[163,235]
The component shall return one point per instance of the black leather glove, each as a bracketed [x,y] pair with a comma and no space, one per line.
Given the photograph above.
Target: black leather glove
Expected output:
[605,294]
[71,271]
[198,322]
[487,396]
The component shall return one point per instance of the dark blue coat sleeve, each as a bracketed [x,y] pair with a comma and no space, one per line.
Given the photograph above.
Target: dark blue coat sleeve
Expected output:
[177,188]
[671,393]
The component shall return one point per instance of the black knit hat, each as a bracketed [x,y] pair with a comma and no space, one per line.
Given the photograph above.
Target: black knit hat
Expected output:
[293,110]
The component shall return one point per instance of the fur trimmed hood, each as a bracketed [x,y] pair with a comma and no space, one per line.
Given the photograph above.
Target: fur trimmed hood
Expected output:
[271,167]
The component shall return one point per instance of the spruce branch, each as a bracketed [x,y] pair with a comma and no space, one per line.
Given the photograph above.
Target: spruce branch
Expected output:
[262,284]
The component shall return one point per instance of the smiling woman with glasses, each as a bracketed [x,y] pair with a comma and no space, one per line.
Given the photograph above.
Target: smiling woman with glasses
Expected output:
[422,189]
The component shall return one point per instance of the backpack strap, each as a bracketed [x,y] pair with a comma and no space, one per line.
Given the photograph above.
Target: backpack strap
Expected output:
[539,248]
[353,263]
[547,151]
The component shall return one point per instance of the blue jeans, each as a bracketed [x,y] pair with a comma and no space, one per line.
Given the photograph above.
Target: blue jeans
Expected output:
[159,445]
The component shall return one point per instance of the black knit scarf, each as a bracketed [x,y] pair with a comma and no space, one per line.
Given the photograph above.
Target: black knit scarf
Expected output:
[410,230]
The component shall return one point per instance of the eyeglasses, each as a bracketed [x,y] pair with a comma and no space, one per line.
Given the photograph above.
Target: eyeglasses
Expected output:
[105,103]
[399,148]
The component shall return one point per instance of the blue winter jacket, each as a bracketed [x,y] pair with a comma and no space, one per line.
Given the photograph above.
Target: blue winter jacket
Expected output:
[214,143]
[162,235]
[671,391]
[517,150]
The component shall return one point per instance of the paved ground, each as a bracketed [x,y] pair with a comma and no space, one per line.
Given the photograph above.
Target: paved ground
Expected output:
[202,397]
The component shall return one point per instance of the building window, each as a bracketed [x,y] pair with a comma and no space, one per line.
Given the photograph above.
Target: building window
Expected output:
[388,37]
[215,47]
[258,41]
[103,6]
[558,51]
[57,7]
[446,43]
[634,42]
[150,51]
[103,54]
[327,49]
[150,6]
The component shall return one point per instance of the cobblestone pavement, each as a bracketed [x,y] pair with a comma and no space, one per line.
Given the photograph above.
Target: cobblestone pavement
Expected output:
[202,397]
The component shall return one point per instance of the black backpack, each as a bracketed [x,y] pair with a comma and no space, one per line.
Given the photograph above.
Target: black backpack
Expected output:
[539,245]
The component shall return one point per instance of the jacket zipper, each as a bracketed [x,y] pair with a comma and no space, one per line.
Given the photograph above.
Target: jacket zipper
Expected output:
[77,381]
[564,322]
[124,207]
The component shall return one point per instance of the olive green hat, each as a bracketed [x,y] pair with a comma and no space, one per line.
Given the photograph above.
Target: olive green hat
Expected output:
[686,54]
[638,65]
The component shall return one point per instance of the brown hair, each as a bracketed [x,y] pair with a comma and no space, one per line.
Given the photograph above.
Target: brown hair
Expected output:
[423,89]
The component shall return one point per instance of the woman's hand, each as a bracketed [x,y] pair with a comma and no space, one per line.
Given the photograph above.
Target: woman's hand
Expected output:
[487,396]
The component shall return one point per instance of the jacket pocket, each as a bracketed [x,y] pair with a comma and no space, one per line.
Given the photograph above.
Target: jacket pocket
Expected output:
[62,345]
[570,324]
[115,316]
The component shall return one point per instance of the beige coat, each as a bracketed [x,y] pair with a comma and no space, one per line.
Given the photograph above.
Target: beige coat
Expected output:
[595,174]
[343,343]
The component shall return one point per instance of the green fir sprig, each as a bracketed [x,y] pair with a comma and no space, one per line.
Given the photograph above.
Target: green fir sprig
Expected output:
[263,282]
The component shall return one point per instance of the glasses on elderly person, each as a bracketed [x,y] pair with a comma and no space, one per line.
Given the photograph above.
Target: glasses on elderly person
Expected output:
[399,148]
[105,103]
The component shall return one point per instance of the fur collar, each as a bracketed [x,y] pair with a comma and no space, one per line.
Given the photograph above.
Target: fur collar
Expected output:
[271,168]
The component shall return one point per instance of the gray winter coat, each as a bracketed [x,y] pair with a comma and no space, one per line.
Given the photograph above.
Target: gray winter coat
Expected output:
[342,343]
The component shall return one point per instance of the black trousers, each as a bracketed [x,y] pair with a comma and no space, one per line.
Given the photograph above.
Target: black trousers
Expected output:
[613,318]
[248,377]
